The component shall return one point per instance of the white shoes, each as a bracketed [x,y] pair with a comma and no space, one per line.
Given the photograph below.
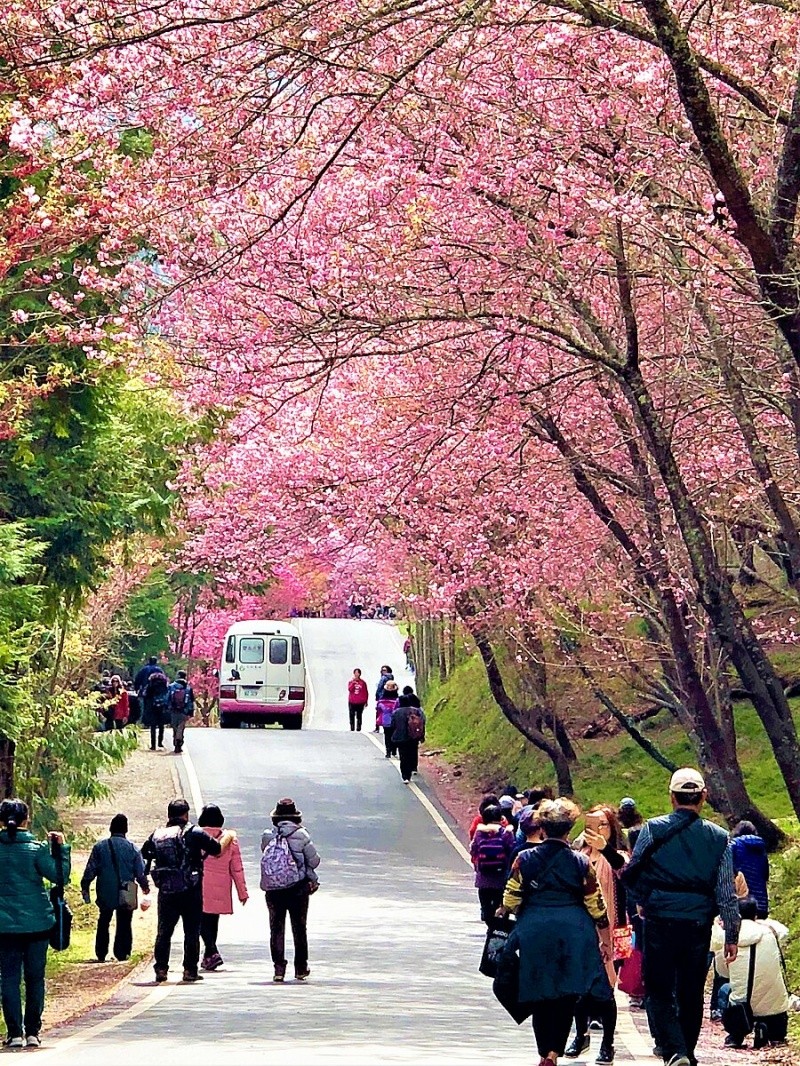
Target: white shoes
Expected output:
[32,1041]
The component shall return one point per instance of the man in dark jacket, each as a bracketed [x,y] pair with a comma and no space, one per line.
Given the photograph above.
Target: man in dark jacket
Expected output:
[113,862]
[681,876]
[408,719]
[180,705]
[175,853]
[144,672]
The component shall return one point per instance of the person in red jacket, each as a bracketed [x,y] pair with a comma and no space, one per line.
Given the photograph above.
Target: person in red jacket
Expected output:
[357,699]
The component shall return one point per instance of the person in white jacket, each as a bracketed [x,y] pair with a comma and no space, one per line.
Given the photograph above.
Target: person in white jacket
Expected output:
[769,999]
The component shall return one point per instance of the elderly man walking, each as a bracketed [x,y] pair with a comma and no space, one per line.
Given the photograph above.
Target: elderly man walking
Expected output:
[681,876]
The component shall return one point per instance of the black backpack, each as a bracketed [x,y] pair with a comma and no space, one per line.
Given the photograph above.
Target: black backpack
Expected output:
[157,685]
[172,867]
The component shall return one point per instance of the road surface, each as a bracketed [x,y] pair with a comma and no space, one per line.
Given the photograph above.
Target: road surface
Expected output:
[394,931]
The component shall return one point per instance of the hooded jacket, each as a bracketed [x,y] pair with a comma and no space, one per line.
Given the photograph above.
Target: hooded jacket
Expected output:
[221,872]
[25,905]
[301,846]
[769,985]
[750,857]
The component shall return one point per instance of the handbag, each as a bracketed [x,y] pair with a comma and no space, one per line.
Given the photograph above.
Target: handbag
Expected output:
[61,932]
[128,898]
[497,934]
[737,1018]
[622,942]
[630,980]
[506,984]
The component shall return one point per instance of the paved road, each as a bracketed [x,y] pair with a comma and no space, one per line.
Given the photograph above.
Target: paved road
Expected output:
[394,933]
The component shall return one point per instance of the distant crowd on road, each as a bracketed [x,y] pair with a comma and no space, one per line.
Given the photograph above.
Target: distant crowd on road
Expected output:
[398,714]
[643,906]
[151,698]
[195,869]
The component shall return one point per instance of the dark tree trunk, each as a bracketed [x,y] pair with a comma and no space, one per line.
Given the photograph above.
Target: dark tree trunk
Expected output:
[7,749]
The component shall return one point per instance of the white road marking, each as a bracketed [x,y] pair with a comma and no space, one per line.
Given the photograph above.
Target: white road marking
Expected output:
[194,781]
[69,1043]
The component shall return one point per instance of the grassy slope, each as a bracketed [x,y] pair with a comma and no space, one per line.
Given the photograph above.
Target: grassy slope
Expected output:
[464,720]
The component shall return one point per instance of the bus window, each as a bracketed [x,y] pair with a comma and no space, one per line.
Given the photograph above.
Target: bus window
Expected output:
[296,651]
[278,651]
[251,650]
[230,650]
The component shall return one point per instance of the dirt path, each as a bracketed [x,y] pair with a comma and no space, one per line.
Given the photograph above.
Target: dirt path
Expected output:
[141,789]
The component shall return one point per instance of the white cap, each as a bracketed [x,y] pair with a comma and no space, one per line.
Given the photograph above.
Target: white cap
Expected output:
[686,780]
[506,802]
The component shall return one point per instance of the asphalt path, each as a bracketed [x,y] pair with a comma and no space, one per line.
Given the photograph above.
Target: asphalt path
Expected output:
[394,931]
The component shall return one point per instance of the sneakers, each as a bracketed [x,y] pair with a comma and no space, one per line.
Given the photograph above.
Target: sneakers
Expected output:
[32,1041]
[302,975]
[189,977]
[161,976]
[760,1036]
[678,1060]
[733,1041]
[595,1026]
[606,1055]
[578,1046]
[278,978]
[211,962]
[14,1042]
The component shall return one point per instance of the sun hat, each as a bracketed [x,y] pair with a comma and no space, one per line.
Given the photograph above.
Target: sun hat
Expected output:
[285,808]
[686,780]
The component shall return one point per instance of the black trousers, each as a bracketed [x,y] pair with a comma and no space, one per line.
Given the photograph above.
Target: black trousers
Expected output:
[173,907]
[209,931]
[356,713]
[294,902]
[409,758]
[552,1021]
[490,899]
[123,932]
[388,740]
[156,729]
[674,970]
[605,1010]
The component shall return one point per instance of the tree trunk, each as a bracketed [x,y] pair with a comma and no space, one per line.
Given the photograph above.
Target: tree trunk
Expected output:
[7,749]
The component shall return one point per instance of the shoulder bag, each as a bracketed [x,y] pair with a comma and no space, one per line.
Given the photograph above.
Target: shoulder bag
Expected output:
[738,1017]
[636,867]
[62,929]
[128,898]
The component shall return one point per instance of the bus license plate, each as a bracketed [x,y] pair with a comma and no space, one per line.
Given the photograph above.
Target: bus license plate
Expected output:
[250,690]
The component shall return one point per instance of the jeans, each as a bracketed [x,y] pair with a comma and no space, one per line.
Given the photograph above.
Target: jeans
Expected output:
[178,729]
[209,931]
[188,908]
[356,712]
[674,968]
[552,1020]
[123,933]
[294,902]
[409,758]
[23,956]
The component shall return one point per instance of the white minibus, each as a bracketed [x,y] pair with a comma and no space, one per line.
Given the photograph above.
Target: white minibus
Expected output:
[262,675]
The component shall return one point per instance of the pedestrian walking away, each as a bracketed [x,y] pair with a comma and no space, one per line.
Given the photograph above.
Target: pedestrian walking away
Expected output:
[26,918]
[750,859]
[180,707]
[384,711]
[386,675]
[221,873]
[555,895]
[631,821]
[117,866]
[155,714]
[357,699]
[408,731]
[175,853]
[289,878]
[681,875]
[490,851]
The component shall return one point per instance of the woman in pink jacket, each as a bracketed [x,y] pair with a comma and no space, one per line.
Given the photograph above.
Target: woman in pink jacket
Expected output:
[220,873]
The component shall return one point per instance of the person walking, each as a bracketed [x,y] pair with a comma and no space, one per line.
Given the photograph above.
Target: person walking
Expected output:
[120,704]
[143,674]
[631,821]
[180,707]
[755,980]
[490,852]
[26,918]
[220,874]
[681,875]
[384,710]
[155,712]
[750,859]
[114,862]
[408,731]
[554,893]
[603,844]
[175,853]
[357,699]
[289,877]
[408,651]
[386,675]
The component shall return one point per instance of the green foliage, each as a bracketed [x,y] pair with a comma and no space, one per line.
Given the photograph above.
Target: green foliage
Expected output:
[147,622]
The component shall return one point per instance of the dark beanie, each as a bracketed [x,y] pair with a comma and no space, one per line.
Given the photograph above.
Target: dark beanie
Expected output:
[119,824]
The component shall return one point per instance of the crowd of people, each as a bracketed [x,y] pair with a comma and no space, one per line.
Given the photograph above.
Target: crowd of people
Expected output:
[151,698]
[645,906]
[196,869]
[398,714]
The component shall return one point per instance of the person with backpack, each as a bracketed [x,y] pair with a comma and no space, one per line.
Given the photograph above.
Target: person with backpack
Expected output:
[491,850]
[180,705]
[680,876]
[408,731]
[143,673]
[289,877]
[114,862]
[384,713]
[175,854]
[26,919]
[220,874]
[357,700]
[155,706]
[386,675]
